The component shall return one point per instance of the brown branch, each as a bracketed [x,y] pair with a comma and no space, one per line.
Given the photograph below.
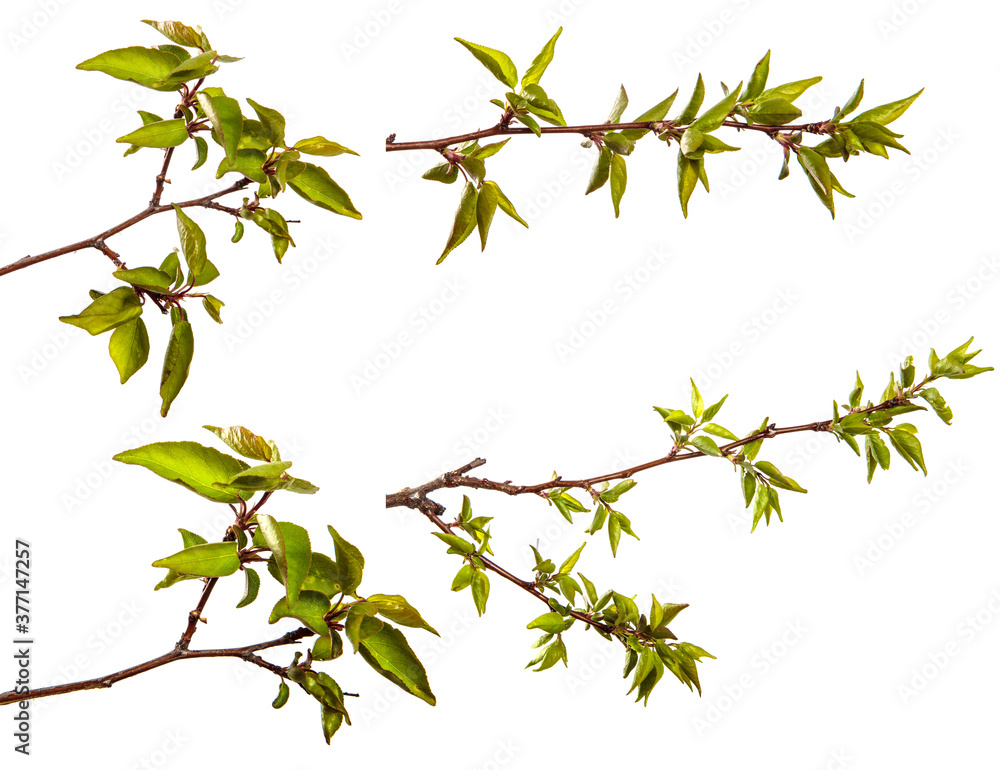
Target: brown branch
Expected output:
[103,682]
[458,478]
[97,241]
[500,129]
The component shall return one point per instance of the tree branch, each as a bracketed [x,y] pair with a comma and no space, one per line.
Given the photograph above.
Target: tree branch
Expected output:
[103,682]
[97,241]
[657,126]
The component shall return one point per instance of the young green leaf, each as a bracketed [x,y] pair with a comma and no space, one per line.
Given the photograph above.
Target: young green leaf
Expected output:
[541,62]
[320,145]
[316,186]
[497,62]
[250,591]
[465,220]
[289,543]
[226,118]
[886,113]
[191,465]
[107,312]
[129,348]
[486,206]
[691,110]
[207,560]
[350,562]
[388,653]
[145,66]
[166,133]
[309,610]
[176,364]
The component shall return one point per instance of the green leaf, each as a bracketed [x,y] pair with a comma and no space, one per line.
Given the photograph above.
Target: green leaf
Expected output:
[659,112]
[706,445]
[761,505]
[390,655]
[446,173]
[459,544]
[497,62]
[272,121]
[324,576]
[316,186]
[224,114]
[818,173]
[207,560]
[107,312]
[465,220]
[539,64]
[179,33]
[129,348]
[687,180]
[320,145]
[718,430]
[350,562]
[551,622]
[691,110]
[486,207]
[192,242]
[614,532]
[282,697]
[246,443]
[361,623]
[247,162]
[714,117]
[191,68]
[176,364]
[148,278]
[541,105]
[289,543]
[619,179]
[758,79]
[145,66]
[852,103]
[886,113]
[697,402]
[464,578]
[908,445]
[398,610]
[748,482]
[618,108]
[309,610]
[506,206]
[775,111]
[531,124]
[213,306]
[570,562]
[251,589]
[789,91]
[612,495]
[601,172]
[778,478]
[480,590]
[191,465]
[165,133]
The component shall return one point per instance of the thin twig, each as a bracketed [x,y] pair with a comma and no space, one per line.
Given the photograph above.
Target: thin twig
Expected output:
[501,130]
[97,241]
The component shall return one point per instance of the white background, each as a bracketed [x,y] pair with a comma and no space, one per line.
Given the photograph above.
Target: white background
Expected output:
[817,622]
